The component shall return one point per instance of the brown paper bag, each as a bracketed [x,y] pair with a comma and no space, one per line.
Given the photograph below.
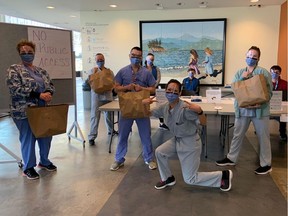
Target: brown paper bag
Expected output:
[49,120]
[251,91]
[131,104]
[102,81]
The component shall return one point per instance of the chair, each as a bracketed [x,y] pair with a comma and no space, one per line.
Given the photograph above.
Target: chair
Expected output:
[203,131]
[189,93]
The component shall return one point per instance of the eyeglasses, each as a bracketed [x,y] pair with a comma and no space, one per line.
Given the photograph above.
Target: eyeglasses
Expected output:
[135,56]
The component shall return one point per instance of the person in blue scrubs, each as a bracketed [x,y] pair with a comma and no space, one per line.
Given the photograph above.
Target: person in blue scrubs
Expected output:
[134,77]
[29,85]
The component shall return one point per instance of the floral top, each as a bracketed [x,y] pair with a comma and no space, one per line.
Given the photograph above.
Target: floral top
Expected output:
[24,89]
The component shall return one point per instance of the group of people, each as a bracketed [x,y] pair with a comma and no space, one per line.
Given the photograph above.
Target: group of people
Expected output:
[30,85]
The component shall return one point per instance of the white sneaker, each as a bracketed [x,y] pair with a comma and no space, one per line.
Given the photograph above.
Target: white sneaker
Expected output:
[116,165]
[152,165]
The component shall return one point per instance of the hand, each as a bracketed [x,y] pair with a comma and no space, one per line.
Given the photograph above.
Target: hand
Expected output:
[130,87]
[194,107]
[138,88]
[245,74]
[149,100]
[46,96]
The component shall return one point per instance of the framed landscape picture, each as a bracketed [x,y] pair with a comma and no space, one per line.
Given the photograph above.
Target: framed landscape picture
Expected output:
[173,41]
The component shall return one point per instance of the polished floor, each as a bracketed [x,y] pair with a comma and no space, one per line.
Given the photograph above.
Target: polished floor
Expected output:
[84,185]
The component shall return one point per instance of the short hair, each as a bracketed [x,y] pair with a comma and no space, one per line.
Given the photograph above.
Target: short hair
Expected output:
[256,49]
[136,48]
[25,42]
[176,82]
[276,67]
[191,69]
[151,54]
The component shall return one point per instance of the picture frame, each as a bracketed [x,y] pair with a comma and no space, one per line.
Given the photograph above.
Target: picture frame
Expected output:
[171,41]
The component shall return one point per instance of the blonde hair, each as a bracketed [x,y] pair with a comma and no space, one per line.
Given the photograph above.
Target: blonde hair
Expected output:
[208,50]
[25,42]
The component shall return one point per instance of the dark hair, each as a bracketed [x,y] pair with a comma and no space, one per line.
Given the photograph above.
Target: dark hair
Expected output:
[191,69]
[145,62]
[257,49]
[176,82]
[194,52]
[276,67]
[25,42]
[136,48]
[150,54]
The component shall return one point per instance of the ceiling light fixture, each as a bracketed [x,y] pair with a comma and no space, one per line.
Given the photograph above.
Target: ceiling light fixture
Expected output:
[50,7]
[159,6]
[113,6]
[203,4]
[254,1]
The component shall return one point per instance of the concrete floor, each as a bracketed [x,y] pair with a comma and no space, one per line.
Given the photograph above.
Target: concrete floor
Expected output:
[83,183]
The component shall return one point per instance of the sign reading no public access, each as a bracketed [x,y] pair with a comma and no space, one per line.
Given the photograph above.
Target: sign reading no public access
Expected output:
[53,51]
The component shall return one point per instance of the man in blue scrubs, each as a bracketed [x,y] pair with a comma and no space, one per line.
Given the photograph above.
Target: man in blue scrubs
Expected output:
[134,77]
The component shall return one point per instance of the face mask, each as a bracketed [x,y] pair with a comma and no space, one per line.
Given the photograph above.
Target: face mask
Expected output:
[190,74]
[171,97]
[275,76]
[100,64]
[251,62]
[149,62]
[27,58]
[135,61]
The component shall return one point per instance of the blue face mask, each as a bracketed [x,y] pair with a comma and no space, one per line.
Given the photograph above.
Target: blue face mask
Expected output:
[149,62]
[171,97]
[135,61]
[100,64]
[251,62]
[190,74]
[275,76]
[27,58]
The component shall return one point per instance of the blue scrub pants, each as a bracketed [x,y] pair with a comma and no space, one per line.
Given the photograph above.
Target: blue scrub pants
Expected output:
[144,129]
[27,140]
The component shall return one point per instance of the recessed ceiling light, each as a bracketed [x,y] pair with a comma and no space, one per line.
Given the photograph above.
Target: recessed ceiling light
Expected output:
[253,1]
[73,16]
[50,7]
[113,6]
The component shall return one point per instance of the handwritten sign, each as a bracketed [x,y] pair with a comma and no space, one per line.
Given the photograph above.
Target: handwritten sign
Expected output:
[213,95]
[53,51]
[276,101]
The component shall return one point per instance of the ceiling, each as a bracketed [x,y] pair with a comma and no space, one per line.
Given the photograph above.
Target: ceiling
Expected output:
[66,13]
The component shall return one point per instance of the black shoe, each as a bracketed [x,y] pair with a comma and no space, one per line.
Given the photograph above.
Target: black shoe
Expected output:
[163,184]
[31,174]
[51,167]
[225,162]
[226,181]
[162,126]
[91,142]
[112,133]
[283,137]
[263,170]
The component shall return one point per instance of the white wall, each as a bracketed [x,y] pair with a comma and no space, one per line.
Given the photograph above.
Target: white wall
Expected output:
[246,26]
